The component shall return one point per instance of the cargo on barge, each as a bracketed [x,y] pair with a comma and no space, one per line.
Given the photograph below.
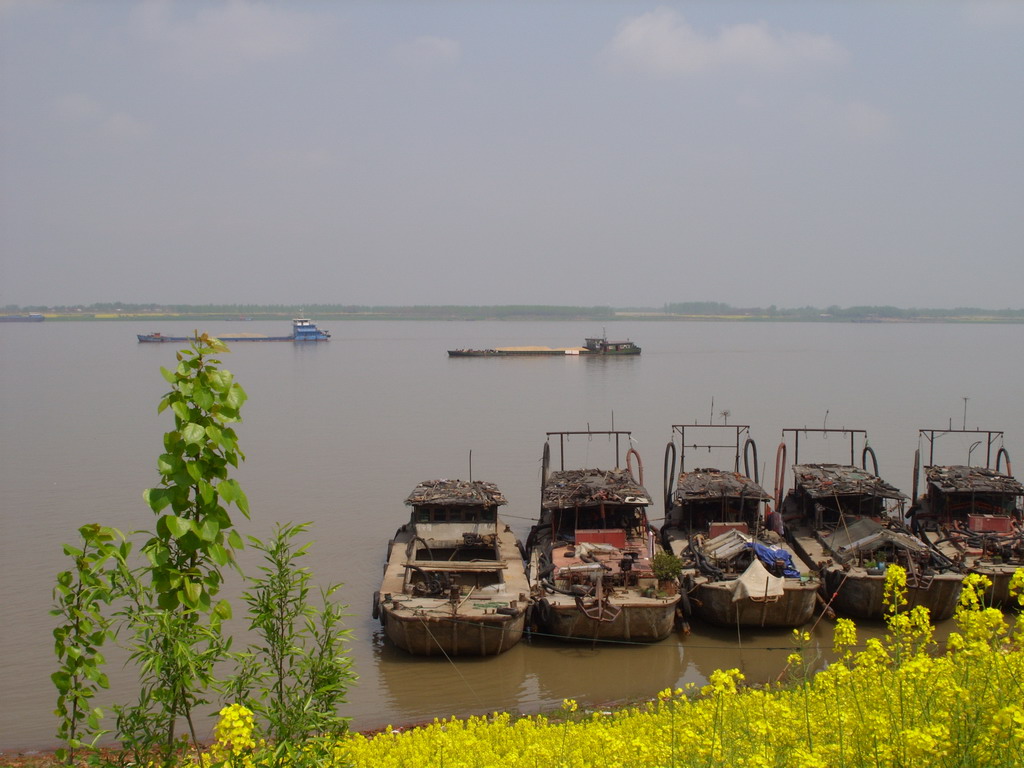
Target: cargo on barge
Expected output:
[597,346]
[303,329]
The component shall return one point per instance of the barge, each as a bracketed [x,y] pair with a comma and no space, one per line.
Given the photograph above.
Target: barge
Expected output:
[592,553]
[972,514]
[31,317]
[846,522]
[599,346]
[303,329]
[738,570]
[454,581]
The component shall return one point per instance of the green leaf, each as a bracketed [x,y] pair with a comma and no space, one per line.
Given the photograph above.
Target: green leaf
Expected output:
[218,554]
[235,397]
[223,609]
[235,540]
[62,680]
[157,498]
[219,379]
[180,409]
[193,590]
[178,526]
[229,490]
[214,434]
[169,376]
[193,433]
[168,464]
[208,530]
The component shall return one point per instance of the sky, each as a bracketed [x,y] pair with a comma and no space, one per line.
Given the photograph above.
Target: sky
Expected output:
[627,154]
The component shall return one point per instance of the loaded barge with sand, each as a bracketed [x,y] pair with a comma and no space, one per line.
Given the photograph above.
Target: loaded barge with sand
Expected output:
[594,346]
[303,329]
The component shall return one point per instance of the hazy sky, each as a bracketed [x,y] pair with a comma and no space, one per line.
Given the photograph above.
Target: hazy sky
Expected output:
[619,153]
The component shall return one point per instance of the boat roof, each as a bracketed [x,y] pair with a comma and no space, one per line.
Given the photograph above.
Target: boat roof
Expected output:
[592,487]
[867,535]
[821,481]
[710,483]
[449,492]
[964,479]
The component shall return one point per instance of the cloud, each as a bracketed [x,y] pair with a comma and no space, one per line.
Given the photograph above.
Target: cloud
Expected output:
[83,110]
[662,43]
[221,36]
[429,51]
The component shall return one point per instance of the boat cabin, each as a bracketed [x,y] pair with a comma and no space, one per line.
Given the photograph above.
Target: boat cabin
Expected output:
[984,499]
[601,346]
[713,500]
[455,542]
[824,494]
[594,522]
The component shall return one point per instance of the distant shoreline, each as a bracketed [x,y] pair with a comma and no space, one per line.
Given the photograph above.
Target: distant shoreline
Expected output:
[424,314]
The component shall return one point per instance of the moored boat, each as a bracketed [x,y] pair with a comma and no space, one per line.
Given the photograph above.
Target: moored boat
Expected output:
[454,581]
[591,554]
[972,514]
[303,329]
[593,346]
[737,569]
[846,522]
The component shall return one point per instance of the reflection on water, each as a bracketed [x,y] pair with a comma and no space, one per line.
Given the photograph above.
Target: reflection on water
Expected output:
[337,433]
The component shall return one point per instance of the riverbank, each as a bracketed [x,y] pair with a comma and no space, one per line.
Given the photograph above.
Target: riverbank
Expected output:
[901,701]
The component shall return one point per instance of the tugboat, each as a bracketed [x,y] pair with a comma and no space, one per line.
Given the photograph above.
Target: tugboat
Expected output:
[454,582]
[846,522]
[592,553]
[738,570]
[972,514]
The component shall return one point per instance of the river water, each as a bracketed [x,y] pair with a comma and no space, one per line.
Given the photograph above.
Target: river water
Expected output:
[338,434]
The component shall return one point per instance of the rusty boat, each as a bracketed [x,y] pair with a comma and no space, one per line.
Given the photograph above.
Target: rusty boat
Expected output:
[591,553]
[972,514]
[454,581]
[846,522]
[738,570]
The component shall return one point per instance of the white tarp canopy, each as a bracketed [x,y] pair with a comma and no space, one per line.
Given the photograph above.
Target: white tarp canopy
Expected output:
[756,583]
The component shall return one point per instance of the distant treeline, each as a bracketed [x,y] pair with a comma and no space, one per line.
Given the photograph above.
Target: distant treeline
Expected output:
[271,311]
[717,309]
[680,310]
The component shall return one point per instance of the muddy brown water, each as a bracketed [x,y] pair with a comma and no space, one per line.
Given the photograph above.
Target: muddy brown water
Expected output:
[338,434]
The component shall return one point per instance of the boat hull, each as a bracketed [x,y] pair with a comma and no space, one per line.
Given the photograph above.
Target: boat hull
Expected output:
[483,617]
[861,595]
[640,620]
[713,602]
[423,631]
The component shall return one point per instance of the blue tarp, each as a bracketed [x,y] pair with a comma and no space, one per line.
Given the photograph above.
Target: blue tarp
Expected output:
[768,555]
